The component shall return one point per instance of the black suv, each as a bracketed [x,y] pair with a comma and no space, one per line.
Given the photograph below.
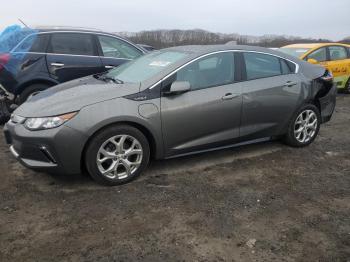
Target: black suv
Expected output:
[57,55]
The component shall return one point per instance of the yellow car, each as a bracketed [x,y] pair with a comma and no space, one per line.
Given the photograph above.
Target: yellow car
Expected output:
[333,56]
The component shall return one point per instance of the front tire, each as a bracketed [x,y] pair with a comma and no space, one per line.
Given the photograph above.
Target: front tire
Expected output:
[117,155]
[31,90]
[304,126]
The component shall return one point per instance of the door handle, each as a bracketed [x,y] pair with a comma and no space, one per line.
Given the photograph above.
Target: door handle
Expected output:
[290,84]
[57,64]
[109,66]
[229,96]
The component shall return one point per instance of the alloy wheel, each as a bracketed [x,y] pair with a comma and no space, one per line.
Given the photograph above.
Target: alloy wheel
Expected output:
[119,157]
[305,126]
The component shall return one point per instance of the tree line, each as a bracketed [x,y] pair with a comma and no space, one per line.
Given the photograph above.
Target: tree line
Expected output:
[167,38]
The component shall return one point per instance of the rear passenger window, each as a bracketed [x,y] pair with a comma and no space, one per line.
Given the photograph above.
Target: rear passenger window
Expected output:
[337,53]
[72,44]
[287,67]
[261,65]
[34,43]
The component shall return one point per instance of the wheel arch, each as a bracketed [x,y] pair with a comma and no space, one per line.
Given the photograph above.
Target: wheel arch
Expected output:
[154,148]
[49,82]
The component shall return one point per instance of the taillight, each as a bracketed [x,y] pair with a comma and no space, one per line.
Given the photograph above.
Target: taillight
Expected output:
[4,58]
[328,76]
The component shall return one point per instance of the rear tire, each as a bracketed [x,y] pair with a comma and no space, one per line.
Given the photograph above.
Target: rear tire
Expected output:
[304,126]
[31,90]
[116,155]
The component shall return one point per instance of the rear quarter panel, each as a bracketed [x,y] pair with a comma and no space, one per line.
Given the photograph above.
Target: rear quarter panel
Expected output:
[28,67]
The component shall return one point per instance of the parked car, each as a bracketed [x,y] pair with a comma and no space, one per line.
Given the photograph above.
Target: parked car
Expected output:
[333,56]
[168,103]
[50,56]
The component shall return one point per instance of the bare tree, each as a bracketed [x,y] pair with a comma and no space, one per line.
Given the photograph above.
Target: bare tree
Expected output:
[167,38]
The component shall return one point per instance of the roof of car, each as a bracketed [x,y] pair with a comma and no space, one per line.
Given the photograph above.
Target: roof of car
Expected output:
[203,49]
[70,29]
[65,28]
[312,45]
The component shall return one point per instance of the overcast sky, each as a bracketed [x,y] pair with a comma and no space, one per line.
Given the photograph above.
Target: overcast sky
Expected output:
[307,18]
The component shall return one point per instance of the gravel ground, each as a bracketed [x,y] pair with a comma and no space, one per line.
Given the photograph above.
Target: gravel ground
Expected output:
[265,202]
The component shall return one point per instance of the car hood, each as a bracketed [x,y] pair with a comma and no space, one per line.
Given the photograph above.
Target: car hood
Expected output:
[72,96]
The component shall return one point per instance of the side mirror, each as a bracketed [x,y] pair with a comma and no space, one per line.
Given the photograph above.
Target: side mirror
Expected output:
[312,61]
[179,87]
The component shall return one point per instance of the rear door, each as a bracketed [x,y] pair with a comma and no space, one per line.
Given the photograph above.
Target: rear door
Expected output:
[339,64]
[209,114]
[271,92]
[115,51]
[72,55]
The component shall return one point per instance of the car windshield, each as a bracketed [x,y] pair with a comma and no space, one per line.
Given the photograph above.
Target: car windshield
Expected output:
[297,52]
[145,67]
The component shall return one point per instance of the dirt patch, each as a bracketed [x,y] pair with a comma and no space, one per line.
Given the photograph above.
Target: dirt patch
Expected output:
[287,204]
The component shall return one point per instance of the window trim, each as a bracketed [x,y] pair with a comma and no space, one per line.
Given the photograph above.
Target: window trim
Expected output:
[329,52]
[297,66]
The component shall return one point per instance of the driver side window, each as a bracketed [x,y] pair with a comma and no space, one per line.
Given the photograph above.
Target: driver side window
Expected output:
[210,71]
[113,47]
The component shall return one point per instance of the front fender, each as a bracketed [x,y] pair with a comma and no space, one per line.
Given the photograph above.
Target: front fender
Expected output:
[97,116]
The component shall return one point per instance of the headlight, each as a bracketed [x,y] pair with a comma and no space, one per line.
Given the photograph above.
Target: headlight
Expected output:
[39,123]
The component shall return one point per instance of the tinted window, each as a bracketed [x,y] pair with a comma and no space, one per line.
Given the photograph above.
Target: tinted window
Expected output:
[337,53]
[113,47]
[33,43]
[319,55]
[213,70]
[72,43]
[261,65]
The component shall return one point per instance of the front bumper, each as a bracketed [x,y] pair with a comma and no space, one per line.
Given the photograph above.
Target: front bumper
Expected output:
[56,150]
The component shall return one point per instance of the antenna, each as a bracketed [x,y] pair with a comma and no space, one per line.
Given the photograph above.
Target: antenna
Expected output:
[23,23]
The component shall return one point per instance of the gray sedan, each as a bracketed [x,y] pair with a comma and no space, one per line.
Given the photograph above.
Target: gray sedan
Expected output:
[168,103]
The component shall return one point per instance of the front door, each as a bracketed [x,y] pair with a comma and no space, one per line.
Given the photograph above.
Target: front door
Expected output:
[209,114]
